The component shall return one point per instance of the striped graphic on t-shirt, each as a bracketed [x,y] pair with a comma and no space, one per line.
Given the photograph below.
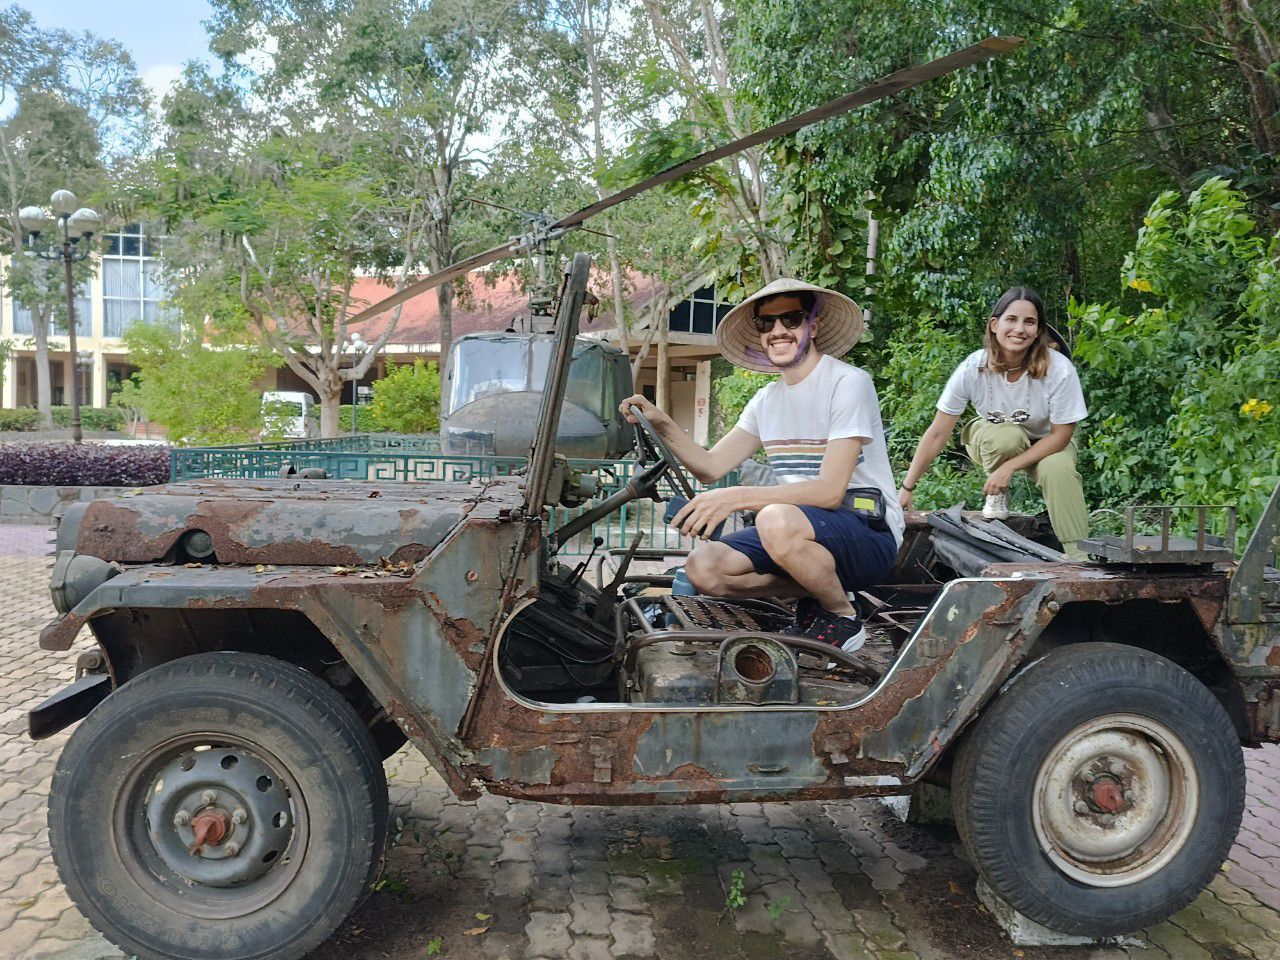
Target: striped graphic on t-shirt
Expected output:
[797,459]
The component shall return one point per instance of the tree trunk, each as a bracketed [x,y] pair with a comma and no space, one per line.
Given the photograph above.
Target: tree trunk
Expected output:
[1263,98]
[444,296]
[662,392]
[40,318]
[330,425]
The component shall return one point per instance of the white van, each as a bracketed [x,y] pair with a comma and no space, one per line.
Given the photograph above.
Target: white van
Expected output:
[287,413]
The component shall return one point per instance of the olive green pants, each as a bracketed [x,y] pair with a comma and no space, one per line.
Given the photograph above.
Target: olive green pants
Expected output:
[991,444]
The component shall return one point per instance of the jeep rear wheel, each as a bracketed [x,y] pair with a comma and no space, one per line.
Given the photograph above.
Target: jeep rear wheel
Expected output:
[1101,791]
[223,806]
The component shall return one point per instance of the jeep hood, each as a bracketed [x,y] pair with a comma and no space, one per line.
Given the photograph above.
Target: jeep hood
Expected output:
[293,522]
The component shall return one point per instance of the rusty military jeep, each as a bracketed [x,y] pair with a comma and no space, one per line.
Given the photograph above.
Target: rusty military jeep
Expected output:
[224,796]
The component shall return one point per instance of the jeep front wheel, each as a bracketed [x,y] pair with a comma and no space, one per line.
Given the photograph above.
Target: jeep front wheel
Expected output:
[219,807]
[1101,791]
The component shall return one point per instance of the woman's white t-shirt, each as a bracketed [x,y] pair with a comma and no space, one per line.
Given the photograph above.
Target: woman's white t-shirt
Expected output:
[1034,404]
[795,423]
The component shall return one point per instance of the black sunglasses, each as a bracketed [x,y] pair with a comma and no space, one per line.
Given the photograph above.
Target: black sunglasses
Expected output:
[791,319]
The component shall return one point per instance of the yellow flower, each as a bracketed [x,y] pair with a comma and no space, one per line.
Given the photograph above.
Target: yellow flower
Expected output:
[1255,408]
[1141,285]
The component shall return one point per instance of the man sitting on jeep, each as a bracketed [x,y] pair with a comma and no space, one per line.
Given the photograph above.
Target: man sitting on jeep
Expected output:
[832,524]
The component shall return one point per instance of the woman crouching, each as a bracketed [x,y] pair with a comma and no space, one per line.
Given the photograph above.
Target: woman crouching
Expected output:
[1028,399]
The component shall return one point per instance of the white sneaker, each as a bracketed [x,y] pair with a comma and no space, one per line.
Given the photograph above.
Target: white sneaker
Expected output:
[855,642]
[996,507]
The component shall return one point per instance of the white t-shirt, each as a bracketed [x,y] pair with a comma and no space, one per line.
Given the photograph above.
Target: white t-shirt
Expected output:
[1033,404]
[795,423]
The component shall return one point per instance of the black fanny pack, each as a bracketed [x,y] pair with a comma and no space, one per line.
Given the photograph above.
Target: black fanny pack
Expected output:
[868,503]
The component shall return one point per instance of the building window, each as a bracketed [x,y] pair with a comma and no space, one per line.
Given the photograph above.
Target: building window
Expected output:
[132,286]
[699,314]
[23,322]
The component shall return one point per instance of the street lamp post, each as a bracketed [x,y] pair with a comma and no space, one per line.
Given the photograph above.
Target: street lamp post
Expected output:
[358,349]
[72,227]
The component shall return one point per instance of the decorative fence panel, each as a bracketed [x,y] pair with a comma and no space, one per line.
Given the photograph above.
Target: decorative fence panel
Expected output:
[402,459]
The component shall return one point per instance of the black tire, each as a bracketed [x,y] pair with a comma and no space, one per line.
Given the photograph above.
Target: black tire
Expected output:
[1154,843]
[213,733]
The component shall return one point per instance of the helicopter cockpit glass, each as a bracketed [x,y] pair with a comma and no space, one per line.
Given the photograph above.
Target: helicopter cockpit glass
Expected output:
[482,368]
[495,380]
[586,375]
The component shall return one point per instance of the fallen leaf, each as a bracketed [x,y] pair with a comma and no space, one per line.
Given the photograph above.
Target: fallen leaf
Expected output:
[260,568]
[484,916]
[193,566]
[474,931]
[955,887]
[374,493]
[1018,953]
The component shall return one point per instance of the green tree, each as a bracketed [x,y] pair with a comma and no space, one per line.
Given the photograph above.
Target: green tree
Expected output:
[407,399]
[410,85]
[201,393]
[1181,388]
[73,102]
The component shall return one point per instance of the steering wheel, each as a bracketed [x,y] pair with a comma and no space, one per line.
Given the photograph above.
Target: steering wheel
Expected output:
[649,443]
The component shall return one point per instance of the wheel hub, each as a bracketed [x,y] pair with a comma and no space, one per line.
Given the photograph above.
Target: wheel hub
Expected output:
[1115,800]
[1106,795]
[218,816]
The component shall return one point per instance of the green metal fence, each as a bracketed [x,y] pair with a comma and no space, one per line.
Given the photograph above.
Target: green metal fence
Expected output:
[394,458]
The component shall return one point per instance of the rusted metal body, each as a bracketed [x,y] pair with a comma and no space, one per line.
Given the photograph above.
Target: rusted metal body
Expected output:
[419,643]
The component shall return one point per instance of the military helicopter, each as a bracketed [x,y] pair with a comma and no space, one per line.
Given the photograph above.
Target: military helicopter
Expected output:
[493,381]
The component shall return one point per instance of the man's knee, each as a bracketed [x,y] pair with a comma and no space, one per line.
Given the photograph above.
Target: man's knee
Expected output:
[780,526]
[705,568]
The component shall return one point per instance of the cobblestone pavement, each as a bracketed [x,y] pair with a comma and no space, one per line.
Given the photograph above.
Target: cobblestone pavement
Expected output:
[494,879]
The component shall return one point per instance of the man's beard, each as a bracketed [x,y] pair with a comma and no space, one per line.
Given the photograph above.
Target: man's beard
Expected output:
[803,345]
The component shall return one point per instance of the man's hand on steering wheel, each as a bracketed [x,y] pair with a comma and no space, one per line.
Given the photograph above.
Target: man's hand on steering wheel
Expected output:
[650,443]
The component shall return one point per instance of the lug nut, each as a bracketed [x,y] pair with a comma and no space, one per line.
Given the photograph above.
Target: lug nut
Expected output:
[1081,807]
[239,815]
[232,848]
[181,818]
[208,797]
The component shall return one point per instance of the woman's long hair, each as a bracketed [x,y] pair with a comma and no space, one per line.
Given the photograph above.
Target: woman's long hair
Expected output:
[1036,359]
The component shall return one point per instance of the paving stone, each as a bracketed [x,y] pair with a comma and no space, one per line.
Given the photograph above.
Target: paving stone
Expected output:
[591,948]
[879,929]
[628,893]
[632,935]
[548,934]
[590,914]
[848,946]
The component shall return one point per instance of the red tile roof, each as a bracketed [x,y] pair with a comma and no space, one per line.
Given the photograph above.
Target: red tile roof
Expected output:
[491,303]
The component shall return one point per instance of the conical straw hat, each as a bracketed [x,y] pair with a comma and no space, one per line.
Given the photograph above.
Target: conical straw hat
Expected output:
[839,319]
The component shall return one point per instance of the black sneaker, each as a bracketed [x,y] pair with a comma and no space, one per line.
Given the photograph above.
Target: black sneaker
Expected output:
[807,610]
[847,633]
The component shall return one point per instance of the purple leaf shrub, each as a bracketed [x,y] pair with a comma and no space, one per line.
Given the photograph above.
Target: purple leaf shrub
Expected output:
[86,464]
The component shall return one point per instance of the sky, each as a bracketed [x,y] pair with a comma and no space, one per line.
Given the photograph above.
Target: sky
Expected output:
[162,35]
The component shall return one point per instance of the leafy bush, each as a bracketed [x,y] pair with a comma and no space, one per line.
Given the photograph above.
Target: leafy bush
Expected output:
[83,464]
[1182,389]
[201,393]
[407,399]
[365,423]
[91,418]
[21,419]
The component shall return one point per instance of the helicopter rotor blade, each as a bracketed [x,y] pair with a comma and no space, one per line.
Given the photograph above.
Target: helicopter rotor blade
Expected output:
[884,87]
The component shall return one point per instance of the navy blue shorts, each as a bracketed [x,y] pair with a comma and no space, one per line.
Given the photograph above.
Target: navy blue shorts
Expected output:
[863,556]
